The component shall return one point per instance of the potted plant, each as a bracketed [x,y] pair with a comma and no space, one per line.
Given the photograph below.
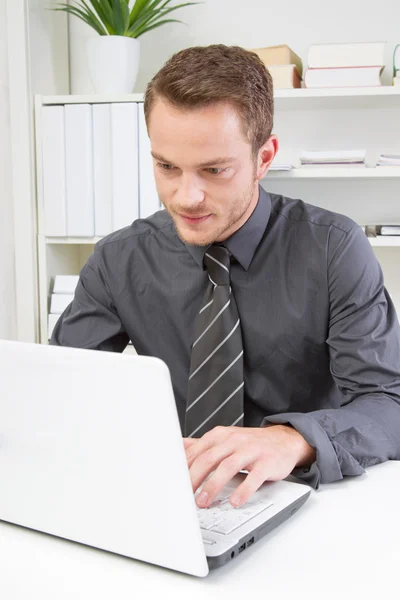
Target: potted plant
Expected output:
[113,56]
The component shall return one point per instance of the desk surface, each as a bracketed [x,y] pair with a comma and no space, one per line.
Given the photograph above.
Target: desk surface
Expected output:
[344,543]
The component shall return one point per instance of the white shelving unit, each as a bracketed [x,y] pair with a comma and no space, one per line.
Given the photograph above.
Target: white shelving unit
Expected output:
[312,119]
[337,172]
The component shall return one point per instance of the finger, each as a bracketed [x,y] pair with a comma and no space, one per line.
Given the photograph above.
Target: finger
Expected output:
[251,484]
[209,439]
[226,470]
[188,442]
[207,462]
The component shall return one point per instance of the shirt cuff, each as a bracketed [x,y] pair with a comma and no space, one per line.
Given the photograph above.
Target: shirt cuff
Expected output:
[326,468]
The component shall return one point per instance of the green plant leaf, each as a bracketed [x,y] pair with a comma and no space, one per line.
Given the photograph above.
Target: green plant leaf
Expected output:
[114,17]
[120,16]
[137,9]
[150,27]
[90,19]
[92,13]
[138,28]
[104,13]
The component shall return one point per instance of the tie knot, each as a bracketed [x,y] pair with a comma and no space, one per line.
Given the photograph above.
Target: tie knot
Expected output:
[217,262]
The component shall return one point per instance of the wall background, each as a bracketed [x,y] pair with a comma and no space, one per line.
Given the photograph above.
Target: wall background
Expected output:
[8,324]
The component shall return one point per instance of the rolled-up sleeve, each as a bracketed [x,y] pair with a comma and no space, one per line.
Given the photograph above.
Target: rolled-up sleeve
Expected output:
[91,320]
[364,347]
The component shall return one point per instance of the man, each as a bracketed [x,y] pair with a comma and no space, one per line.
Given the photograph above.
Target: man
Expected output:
[268,311]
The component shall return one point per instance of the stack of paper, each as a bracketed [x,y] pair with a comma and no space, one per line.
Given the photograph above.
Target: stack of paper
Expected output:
[388,160]
[332,158]
[63,294]
[280,167]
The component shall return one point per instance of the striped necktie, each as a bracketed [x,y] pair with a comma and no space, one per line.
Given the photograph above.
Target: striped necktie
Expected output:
[215,390]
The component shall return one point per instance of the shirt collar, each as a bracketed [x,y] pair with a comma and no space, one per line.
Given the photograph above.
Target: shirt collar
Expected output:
[243,243]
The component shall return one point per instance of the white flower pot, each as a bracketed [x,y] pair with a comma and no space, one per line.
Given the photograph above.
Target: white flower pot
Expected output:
[113,63]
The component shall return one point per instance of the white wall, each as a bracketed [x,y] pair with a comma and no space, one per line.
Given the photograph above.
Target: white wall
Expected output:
[48,48]
[8,324]
[252,24]
[42,69]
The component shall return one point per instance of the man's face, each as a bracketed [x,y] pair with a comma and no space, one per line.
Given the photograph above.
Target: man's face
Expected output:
[203,168]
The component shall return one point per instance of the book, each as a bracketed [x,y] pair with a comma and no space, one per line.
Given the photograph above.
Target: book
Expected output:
[279,55]
[285,76]
[53,157]
[343,77]
[375,230]
[79,170]
[388,229]
[102,170]
[125,169]
[360,54]
[65,284]
[149,202]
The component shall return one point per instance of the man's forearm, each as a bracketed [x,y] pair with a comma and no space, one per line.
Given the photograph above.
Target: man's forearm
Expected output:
[364,432]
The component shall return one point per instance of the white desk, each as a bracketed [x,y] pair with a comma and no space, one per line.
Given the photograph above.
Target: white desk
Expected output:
[344,543]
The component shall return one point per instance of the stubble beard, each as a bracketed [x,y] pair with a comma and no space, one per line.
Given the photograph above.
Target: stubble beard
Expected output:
[209,238]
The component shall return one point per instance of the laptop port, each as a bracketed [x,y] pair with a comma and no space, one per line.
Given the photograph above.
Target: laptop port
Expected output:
[250,542]
[242,547]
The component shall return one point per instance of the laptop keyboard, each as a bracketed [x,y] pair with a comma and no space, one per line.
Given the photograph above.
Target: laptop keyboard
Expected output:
[222,517]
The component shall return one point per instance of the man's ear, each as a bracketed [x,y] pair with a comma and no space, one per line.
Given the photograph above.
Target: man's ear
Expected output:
[266,155]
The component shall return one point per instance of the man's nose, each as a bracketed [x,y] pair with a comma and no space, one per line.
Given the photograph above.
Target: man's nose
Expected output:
[189,191]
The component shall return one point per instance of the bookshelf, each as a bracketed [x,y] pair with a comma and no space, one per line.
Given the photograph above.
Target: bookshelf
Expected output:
[304,118]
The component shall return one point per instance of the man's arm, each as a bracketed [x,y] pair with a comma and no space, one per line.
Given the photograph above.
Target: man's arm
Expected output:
[91,320]
[364,343]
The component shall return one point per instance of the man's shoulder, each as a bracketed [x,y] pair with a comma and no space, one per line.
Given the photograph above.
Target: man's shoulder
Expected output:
[160,223]
[294,210]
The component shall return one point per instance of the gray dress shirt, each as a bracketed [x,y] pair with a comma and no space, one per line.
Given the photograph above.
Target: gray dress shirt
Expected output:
[320,334]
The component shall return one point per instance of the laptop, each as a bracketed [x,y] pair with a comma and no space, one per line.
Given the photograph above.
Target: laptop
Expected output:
[91,451]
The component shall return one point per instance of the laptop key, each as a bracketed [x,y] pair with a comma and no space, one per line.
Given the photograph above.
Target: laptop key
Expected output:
[239,516]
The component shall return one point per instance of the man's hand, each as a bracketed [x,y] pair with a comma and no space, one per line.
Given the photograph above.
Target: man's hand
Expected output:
[267,453]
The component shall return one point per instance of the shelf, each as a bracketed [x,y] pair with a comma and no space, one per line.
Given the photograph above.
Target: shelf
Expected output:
[72,240]
[385,241]
[91,99]
[387,95]
[336,172]
[367,97]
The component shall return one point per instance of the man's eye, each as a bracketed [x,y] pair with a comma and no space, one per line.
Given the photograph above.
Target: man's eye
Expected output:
[215,171]
[165,166]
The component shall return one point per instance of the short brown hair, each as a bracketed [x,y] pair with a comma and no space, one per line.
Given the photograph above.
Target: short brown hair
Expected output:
[202,75]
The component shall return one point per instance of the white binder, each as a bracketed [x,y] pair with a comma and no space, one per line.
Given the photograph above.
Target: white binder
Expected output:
[79,170]
[65,284]
[51,324]
[59,302]
[149,202]
[124,150]
[102,169]
[53,156]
